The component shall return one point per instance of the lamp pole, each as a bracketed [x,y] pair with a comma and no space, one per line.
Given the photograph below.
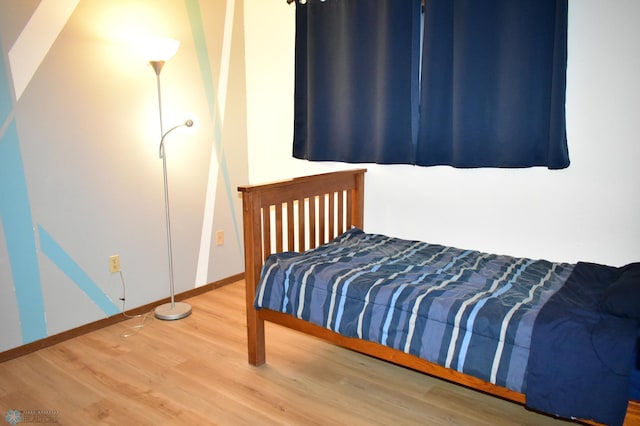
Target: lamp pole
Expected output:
[172,310]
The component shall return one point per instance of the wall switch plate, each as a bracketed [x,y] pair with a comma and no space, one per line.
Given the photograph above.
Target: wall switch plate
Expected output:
[219,238]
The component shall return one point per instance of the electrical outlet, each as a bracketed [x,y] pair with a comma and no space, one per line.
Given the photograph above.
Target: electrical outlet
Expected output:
[219,238]
[114,263]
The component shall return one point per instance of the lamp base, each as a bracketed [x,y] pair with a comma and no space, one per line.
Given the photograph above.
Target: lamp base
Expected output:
[179,311]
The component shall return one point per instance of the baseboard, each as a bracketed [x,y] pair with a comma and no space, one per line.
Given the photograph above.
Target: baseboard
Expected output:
[96,325]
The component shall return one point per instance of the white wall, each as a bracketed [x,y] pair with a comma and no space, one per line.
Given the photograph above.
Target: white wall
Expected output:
[88,174]
[589,211]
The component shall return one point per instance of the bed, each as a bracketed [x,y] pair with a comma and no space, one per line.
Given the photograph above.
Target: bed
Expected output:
[309,266]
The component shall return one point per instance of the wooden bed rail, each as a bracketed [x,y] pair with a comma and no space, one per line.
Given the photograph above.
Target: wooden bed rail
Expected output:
[294,215]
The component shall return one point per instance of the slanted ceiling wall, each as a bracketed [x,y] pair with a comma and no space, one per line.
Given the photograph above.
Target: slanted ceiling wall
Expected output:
[80,175]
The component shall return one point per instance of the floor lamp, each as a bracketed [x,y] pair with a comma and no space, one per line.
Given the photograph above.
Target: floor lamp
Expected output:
[165,49]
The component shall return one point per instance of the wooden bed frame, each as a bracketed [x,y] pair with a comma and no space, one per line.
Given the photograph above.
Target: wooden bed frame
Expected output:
[302,213]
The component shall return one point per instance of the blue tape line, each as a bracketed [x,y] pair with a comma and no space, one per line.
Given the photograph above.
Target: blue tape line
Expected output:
[67,265]
[15,215]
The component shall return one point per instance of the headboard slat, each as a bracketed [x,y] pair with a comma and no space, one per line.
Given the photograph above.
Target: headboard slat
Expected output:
[332,216]
[340,215]
[266,232]
[279,244]
[322,221]
[302,225]
[312,221]
[349,207]
[290,226]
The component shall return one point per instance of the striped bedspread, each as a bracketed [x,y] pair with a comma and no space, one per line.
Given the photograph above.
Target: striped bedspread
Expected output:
[470,311]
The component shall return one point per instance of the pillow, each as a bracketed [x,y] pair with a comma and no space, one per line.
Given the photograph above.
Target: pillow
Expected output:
[622,297]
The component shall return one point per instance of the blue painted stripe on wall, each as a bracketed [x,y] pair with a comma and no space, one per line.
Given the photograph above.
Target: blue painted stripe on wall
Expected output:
[67,265]
[15,215]
[200,42]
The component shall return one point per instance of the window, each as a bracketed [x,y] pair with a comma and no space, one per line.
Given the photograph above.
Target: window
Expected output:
[491,93]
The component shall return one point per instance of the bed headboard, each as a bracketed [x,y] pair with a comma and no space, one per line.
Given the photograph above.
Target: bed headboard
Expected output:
[298,214]
[294,215]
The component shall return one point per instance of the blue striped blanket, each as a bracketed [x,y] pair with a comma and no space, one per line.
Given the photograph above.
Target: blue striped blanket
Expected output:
[466,310]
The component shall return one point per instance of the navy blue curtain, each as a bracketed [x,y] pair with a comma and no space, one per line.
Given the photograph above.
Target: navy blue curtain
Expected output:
[356,80]
[493,84]
[491,91]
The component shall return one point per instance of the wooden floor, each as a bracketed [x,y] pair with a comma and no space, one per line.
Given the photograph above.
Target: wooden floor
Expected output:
[194,372]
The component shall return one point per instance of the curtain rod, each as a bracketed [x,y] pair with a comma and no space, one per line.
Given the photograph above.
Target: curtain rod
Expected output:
[291,1]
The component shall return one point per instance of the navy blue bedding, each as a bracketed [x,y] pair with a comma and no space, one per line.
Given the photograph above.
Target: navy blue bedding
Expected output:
[481,314]
[581,358]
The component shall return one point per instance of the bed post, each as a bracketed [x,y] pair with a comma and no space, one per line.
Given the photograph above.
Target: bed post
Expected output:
[357,212]
[253,265]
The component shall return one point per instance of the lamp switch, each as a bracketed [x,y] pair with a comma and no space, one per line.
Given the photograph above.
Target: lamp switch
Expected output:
[219,238]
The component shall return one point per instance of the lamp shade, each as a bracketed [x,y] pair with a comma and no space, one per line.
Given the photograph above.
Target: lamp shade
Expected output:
[159,48]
